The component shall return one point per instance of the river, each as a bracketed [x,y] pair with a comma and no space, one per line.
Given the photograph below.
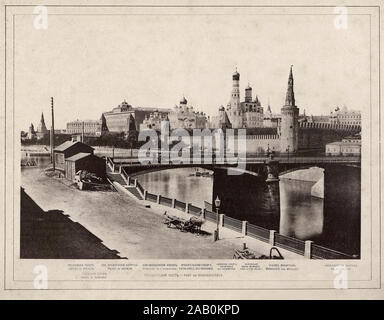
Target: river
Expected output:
[301,214]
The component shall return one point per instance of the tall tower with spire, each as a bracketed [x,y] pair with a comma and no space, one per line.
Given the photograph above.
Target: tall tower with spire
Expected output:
[42,128]
[289,130]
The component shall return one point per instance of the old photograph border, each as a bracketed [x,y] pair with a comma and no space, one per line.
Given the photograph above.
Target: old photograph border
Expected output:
[6,134]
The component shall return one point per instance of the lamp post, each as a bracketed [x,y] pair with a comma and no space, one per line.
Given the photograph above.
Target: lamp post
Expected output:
[217,205]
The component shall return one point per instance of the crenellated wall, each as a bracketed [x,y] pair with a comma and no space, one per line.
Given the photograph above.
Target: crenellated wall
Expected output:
[317,135]
[332,126]
[261,143]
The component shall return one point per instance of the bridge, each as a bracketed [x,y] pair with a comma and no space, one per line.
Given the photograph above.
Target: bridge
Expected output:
[257,191]
[252,164]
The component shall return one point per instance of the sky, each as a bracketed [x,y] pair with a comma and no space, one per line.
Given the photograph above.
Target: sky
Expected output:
[91,63]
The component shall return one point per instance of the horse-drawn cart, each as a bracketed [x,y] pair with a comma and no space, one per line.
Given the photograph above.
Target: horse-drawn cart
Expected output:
[248,254]
[192,225]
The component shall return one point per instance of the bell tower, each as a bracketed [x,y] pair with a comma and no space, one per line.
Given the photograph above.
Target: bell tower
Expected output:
[289,130]
[235,94]
[235,112]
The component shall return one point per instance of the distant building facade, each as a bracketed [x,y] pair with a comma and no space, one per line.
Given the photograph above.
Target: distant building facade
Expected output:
[184,116]
[221,121]
[271,120]
[338,116]
[348,146]
[125,118]
[153,121]
[287,132]
[345,116]
[89,127]
[246,114]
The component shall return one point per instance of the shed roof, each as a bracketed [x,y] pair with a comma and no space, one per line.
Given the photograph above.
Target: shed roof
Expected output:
[68,144]
[78,156]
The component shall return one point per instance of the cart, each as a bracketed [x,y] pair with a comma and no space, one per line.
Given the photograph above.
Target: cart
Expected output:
[192,225]
[248,254]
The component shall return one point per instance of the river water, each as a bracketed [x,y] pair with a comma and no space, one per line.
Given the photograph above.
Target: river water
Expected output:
[301,214]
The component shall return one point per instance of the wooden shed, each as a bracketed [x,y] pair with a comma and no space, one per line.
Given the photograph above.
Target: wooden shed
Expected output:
[67,150]
[84,161]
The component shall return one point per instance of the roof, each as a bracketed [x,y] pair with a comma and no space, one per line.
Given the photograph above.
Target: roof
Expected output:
[339,143]
[261,131]
[68,144]
[78,156]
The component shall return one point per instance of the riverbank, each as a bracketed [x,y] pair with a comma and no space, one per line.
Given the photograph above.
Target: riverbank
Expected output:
[121,223]
[125,224]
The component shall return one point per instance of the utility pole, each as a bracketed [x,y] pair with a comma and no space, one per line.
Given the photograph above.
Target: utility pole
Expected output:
[82,133]
[52,136]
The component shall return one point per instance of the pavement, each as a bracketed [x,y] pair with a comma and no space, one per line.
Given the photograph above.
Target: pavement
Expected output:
[124,223]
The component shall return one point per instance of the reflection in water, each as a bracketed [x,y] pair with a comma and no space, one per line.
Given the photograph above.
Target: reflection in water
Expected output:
[301,214]
[177,183]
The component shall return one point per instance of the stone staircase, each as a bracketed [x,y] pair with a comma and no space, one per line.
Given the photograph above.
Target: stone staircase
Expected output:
[118,177]
[135,192]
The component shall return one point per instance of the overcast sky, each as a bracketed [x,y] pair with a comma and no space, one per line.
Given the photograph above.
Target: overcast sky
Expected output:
[91,63]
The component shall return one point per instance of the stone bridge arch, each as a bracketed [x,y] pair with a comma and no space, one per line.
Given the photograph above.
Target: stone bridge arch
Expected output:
[143,169]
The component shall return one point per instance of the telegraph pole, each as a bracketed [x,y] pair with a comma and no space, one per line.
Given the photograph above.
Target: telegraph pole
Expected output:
[52,136]
[82,133]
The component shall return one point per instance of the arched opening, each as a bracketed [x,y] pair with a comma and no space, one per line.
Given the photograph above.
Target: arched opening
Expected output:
[302,202]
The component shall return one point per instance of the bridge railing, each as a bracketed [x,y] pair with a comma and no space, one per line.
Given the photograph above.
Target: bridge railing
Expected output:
[289,243]
[166,201]
[295,245]
[140,187]
[319,252]
[126,177]
[257,232]
[110,163]
[180,205]
[194,210]
[151,197]
[250,159]
[232,223]
[211,216]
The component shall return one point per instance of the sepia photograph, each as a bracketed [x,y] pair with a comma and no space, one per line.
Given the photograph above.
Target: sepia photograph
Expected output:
[192,138]
[299,191]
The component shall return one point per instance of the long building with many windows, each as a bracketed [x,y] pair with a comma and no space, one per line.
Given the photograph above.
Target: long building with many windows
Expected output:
[89,127]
